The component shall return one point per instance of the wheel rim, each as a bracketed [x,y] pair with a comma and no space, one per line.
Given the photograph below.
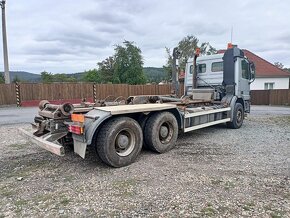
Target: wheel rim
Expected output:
[239,116]
[165,132]
[125,142]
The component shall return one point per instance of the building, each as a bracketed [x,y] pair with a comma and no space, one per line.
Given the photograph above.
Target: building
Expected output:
[268,76]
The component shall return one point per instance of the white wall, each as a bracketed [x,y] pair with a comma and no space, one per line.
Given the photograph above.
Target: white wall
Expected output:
[279,83]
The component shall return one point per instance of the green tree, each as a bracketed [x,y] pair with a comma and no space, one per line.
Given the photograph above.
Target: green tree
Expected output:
[16,79]
[128,66]
[106,69]
[187,47]
[61,77]
[2,79]
[46,77]
[168,66]
[92,76]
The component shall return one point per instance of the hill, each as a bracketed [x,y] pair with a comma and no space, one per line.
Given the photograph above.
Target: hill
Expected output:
[153,74]
[24,76]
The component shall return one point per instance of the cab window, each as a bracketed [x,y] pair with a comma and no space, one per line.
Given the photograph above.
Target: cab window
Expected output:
[201,68]
[245,70]
[217,66]
[191,69]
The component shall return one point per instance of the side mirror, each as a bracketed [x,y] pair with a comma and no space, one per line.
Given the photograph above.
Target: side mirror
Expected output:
[252,72]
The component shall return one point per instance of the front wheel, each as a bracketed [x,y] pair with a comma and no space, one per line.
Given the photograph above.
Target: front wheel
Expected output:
[238,117]
[119,141]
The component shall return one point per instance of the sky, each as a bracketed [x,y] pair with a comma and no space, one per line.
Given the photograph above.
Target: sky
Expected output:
[72,36]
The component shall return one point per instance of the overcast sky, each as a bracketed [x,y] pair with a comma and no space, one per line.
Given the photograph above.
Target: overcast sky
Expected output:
[71,36]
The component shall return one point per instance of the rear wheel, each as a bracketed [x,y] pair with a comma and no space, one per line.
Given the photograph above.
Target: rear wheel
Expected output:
[161,132]
[119,141]
[238,117]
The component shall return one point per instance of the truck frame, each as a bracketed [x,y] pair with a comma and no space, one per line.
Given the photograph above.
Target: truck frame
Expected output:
[119,129]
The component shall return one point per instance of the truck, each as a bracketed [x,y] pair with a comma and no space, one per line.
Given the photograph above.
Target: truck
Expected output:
[216,91]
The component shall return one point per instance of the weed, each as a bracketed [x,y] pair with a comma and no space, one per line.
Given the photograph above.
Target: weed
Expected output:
[208,211]
[248,206]
[229,185]
[65,201]
[216,182]
[6,192]
[20,204]
[18,146]
[125,188]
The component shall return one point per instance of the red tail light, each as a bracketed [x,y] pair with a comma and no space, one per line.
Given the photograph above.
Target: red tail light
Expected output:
[79,130]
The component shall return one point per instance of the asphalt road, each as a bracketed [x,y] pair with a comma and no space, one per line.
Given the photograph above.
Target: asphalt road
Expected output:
[14,115]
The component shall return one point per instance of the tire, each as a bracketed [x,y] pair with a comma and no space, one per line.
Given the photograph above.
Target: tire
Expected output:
[119,141]
[238,117]
[161,132]
[142,121]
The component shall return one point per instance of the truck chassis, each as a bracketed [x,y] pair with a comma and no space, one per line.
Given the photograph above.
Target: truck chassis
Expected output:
[119,128]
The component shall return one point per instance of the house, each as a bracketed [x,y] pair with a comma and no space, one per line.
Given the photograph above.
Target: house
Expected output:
[268,76]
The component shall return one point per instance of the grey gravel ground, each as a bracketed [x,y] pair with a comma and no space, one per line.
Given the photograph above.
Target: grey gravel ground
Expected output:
[214,172]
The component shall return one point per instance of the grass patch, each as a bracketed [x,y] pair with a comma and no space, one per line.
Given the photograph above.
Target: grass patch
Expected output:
[125,187]
[18,146]
[20,204]
[64,201]
[216,181]
[6,192]
[282,119]
[274,212]
[30,168]
[208,210]
[224,209]
[68,178]
[228,185]
[248,206]
[277,214]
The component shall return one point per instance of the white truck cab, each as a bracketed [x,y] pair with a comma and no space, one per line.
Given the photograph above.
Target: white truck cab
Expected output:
[220,72]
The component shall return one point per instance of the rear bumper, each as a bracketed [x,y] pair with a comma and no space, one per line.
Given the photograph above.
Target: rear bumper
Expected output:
[41,142]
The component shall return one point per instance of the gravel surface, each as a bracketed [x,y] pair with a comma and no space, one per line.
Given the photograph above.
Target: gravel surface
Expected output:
[214,172]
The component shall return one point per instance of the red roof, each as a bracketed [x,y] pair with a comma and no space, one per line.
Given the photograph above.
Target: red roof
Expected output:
[263,67]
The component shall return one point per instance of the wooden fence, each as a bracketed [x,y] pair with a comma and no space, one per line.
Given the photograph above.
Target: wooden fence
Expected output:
[74,92]
[32,93]
[271,97]
[7,94]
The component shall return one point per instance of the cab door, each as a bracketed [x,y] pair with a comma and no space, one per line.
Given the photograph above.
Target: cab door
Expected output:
[244,77]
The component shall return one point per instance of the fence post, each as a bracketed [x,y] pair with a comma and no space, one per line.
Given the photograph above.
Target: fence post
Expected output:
[17,90]
[95,92]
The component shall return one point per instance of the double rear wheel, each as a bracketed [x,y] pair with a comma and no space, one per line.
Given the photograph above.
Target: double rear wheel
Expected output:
[120,140]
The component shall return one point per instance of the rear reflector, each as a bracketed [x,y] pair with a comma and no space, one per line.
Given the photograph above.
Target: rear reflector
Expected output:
[76,129]
[78,118]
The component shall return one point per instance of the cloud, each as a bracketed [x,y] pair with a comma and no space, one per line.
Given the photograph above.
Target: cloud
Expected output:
[66,36]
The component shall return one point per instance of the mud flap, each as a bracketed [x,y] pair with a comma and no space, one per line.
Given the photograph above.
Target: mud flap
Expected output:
[80,148]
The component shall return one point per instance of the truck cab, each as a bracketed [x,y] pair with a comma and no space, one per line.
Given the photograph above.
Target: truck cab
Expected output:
[229,74]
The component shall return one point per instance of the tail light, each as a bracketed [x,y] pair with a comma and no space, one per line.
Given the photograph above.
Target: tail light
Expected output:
[77,126]
[76,129]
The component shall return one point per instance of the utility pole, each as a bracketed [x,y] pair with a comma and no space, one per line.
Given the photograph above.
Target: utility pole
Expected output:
[5,49]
